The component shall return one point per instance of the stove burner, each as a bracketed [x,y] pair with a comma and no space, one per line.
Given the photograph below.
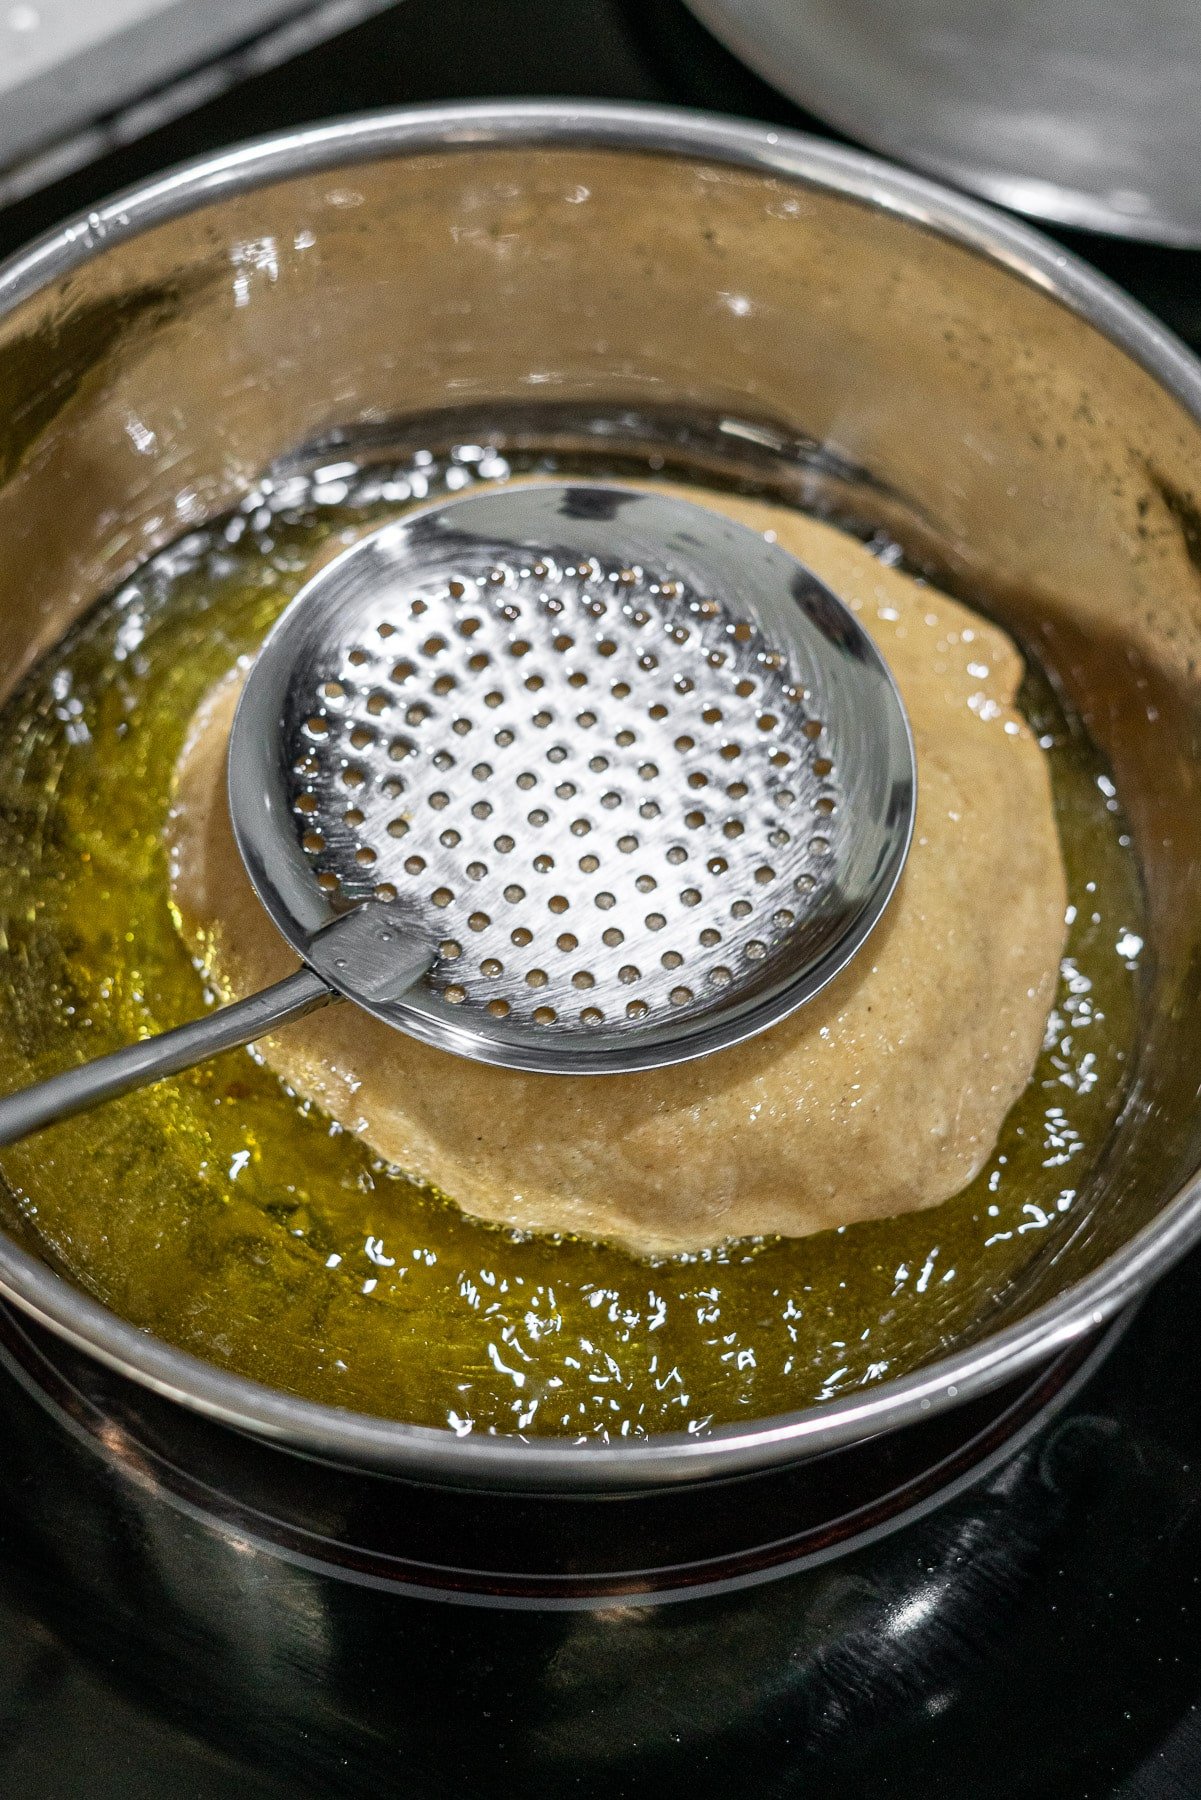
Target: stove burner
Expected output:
[532,1551]
[1033,1635]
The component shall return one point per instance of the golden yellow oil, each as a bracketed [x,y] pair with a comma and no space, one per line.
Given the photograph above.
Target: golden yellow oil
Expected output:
[218,1212]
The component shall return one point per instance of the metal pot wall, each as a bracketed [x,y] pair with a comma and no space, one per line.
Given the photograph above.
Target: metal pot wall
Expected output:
[1004,412]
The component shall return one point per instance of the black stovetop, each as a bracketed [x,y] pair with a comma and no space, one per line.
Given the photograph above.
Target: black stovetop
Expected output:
[1037,1636]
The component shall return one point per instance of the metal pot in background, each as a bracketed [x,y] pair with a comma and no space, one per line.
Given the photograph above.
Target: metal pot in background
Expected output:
[1002,411]
[1083,112]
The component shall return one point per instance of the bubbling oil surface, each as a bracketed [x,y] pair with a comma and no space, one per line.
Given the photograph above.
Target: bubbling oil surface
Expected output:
[222,1214]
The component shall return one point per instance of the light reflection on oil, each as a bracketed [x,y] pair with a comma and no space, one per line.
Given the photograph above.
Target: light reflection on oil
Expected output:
[229,1218]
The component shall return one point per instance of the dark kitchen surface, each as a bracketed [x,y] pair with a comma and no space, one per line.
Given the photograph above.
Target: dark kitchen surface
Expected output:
[1037,1636]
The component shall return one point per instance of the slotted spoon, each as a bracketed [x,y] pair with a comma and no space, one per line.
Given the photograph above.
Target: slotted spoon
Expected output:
[570,778]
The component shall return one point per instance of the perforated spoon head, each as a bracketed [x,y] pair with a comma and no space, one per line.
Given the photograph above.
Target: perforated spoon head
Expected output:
[639,777]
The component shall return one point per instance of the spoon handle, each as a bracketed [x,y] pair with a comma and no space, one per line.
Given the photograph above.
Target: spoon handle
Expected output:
[228,1028]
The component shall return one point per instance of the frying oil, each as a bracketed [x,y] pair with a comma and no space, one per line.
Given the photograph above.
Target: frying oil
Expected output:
[221,1213]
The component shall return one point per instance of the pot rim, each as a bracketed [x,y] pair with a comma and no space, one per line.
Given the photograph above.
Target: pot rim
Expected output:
[432,1453]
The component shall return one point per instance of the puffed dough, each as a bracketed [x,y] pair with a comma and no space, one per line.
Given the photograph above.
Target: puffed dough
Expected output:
[884,1094]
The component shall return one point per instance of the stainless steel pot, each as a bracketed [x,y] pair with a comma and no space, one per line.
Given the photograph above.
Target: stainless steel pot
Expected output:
[999,407]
